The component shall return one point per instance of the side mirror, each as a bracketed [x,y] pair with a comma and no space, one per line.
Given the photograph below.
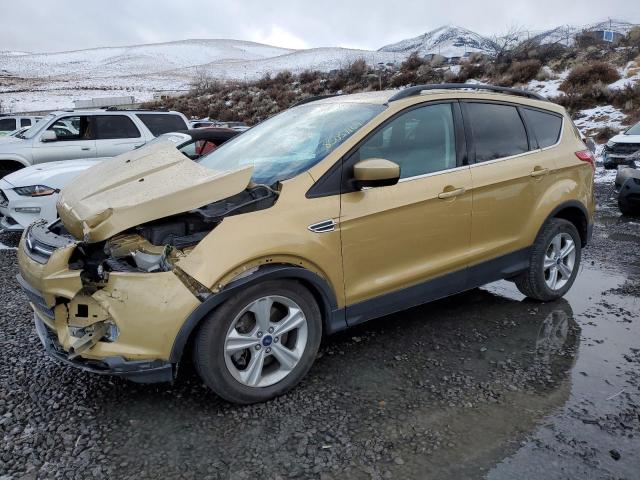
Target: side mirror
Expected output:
[375,172]
[49,136]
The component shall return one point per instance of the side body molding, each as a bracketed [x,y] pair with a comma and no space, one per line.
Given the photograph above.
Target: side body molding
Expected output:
[333,317]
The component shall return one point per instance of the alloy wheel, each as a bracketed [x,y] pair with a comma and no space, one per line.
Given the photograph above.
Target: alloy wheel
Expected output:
[265,341]
[559,261]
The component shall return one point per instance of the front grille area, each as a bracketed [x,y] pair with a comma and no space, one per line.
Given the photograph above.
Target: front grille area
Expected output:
[40,242]
[37,250]
[623,148]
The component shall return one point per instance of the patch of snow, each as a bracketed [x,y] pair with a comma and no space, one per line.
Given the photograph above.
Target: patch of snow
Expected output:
[629,76]
[595,118]
[548,88]
[604,176]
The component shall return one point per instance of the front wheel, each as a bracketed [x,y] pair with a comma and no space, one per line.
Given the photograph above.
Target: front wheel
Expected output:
[259,343]
[554,263]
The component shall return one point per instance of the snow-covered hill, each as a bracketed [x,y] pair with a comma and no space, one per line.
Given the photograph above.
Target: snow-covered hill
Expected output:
[565,34]
[41,81]
[138,59]
[30,82]
[448,41]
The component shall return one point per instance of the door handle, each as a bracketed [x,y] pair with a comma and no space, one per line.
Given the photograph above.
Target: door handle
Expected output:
[85,148]
[539,172]
[451,193]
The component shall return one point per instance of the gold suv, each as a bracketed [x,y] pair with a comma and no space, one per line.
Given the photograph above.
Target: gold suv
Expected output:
[334,212]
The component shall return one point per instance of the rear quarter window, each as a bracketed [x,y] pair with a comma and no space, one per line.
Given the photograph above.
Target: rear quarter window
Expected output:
[498,131]
[545,126]
[162,123]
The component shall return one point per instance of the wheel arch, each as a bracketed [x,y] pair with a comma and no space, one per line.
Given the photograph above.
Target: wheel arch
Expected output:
[575,212]
[333,318]
[13,161]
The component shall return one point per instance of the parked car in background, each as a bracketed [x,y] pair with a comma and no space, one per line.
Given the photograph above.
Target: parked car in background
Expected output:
[620,147]
[202,124]
[627,184]
[17,132]
[69,135]
[237,126]
[322,217]
[32,192]
[9,123]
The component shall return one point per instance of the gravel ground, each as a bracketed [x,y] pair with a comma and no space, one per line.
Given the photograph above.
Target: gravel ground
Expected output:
[485,384]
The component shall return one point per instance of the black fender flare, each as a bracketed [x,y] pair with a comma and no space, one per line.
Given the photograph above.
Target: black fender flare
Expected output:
[580,206]
[332,316]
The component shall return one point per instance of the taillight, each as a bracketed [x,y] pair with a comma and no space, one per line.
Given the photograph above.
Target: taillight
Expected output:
[587,156]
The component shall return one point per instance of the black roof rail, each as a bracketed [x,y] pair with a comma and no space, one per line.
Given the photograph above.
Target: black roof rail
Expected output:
[313,99]
[412,91]
[118,109]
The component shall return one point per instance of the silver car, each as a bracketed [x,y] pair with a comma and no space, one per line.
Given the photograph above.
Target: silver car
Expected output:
[69,135]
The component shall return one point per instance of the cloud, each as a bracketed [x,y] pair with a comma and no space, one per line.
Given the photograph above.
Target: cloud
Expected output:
[278,37]
[369,24]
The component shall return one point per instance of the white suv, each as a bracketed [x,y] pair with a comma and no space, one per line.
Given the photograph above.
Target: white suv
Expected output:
[69,135]
[10,123]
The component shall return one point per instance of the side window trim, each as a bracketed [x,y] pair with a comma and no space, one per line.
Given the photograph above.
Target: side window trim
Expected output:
[333,182]
[469,132]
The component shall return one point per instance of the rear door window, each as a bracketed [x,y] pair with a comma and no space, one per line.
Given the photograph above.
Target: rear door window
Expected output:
[25,122]
[115,126]
[8,124]
[545,126]
[497,130]
[162,123]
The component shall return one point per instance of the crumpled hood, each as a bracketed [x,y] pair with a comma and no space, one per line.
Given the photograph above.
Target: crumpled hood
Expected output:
[622,138]
[51,174]
[141,186]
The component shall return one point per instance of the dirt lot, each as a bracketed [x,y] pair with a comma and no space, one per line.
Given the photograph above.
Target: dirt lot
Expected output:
[481,385]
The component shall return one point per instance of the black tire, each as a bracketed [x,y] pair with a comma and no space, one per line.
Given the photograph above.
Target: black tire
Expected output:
[532,282]
[209,355]
[628,191]
[626,208]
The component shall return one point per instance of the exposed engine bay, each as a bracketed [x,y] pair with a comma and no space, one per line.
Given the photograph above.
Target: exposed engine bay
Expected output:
[157,245]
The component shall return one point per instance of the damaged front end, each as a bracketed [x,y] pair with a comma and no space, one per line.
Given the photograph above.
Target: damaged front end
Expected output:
[115,305]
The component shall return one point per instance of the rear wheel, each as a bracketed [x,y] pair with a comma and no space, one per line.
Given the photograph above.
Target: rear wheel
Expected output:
[554,264]
[259,343]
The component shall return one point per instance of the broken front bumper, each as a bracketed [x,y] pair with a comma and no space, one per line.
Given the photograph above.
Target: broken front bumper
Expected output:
[140,371]
[126,326]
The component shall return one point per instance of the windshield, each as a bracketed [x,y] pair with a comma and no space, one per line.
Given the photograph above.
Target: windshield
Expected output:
[292,141]
[635,130]
[37,127]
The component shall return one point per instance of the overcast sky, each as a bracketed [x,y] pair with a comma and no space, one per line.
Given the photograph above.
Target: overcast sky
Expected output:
[59,25]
